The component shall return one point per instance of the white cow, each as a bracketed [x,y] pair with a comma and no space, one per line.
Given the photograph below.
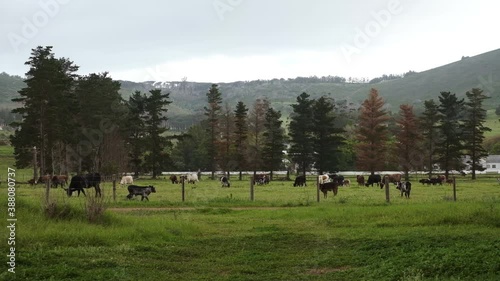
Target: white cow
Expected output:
[127,180]
[192,178]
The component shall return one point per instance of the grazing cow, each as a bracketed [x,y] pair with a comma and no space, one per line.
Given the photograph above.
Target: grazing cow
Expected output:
[325,187]
[31,182]
[261,179]
[127,180]
[347,183]
[94,180]
[59,180]
[435,181]
[373,179]
[300,181]
[323,179]
[394,178]
[173,179]
[360,179]
[337,178]
[144,191]
[192,178]
[225,181]
[449,181]
[405,188]
[43,179]
[77,183]
[442,178]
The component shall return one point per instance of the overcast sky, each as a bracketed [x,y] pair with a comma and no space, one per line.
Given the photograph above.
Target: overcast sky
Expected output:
[232,40]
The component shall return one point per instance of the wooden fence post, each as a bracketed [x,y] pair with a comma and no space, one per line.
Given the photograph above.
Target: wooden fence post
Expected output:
[183,190]
[454,189]
[114,190]
[317,189]
[252,189]
[387,195]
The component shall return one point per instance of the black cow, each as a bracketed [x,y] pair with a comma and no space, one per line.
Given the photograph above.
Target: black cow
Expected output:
[300,181]
[225,181]
[405,188]
[325,187]
[144,191]
[77,183]
[94,180]
[377,179]
[337,178]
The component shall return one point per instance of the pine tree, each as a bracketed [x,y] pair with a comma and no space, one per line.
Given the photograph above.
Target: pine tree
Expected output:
[327,139]
[449,146]
[98,103]
[136,130]
[408,140]
[300,132]
[45,111]
[213,113]
[240,136]
[226,140]
[474,129]
[429,126]
[190,153]
[256,122]
[156,157]
[274,141]
[372,134]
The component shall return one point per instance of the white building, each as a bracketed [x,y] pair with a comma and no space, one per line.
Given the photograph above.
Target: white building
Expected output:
[492,164]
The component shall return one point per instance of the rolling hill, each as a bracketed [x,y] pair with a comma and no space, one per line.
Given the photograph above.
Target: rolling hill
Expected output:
[189,98]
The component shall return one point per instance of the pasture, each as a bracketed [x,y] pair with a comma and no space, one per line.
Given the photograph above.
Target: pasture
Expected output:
[219,234]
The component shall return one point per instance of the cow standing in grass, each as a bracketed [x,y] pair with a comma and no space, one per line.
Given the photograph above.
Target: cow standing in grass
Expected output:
[405,188]
[126,180]
[300,181]
[329,186]
[225,181]
[144,191]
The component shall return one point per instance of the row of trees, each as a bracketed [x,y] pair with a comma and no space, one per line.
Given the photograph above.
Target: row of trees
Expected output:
[443,135]
[73,123]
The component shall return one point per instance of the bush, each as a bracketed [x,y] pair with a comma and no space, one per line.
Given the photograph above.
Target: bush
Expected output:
[95,208]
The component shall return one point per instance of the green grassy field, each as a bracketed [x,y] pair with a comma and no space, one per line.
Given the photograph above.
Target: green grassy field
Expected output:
[219,234]
[493,123]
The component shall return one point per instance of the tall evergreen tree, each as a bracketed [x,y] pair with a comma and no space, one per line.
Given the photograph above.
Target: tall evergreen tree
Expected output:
[372,134]
[46,101]
[240,135]
[300,132]
[156,157]
[449,146]
[226,140]
[135,128]
[408,140]
[429,125]
[274,141]
[256,121]
[213,113]
[326,136]
[97,100]
[474,129]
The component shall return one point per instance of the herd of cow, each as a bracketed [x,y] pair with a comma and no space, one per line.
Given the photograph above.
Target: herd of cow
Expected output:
[79,183]
[332,182]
